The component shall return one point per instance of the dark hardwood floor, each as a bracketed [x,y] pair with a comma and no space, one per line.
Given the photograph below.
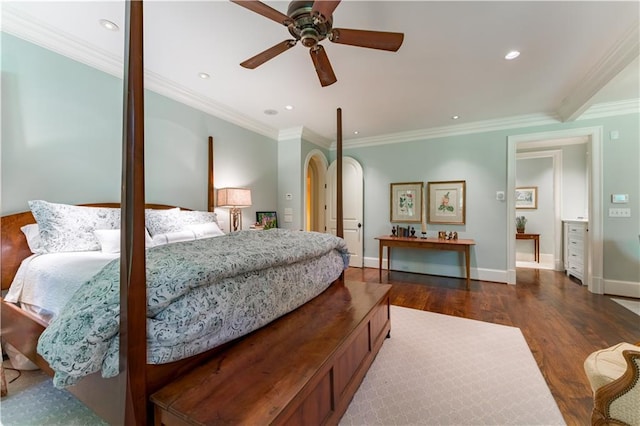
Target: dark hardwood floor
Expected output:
[561,321]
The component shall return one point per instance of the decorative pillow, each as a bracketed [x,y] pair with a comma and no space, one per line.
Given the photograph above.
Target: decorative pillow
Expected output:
[65,227]
[110,239]
[32,234]
[205,230]
[195,217]
[162,221]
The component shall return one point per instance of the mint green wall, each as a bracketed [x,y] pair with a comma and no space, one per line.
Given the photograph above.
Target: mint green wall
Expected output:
[61,141]
[62,137]
[481,160]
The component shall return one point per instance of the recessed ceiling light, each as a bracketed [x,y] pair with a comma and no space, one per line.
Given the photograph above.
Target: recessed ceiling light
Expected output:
[270,112]
[109,25]
[203,75]
[512,55]
[455,117]
[356,132]
[289,107]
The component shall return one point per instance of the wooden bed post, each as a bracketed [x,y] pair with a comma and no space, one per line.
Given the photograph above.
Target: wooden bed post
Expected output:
[339,214]
[210,194]
[133,286]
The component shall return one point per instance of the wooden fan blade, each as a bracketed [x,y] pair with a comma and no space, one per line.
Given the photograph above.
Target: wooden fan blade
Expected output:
[264,10]
[323,66]
[371,39]
[324,8]
[270,53]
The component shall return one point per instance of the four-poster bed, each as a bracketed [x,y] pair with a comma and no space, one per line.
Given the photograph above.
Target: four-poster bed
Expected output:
[355,316]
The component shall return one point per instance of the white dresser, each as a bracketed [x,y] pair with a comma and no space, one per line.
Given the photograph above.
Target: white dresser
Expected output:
[575,248]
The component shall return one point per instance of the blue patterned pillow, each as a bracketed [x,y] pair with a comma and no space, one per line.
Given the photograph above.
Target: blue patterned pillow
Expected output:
[66,228]
[175,220]
[194,217]
[162,221]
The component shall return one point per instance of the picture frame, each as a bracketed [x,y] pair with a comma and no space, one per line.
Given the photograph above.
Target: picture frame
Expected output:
[406,202]
[267,220]
[447,202]
[527,197]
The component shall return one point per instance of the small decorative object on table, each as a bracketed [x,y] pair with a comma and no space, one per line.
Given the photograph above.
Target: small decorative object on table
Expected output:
[520,222]
[442,235]
[454,236]
[424,235]
[413,232]
[393,231]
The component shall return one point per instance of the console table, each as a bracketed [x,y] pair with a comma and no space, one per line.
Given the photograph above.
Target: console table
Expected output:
[536,243]
[462,246]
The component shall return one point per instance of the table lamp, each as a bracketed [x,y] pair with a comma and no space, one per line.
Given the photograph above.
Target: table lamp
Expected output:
[236,199]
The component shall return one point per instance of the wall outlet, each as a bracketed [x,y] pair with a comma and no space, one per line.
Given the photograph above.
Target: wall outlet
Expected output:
[619,212]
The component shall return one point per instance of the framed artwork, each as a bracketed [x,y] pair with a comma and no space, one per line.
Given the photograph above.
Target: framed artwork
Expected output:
[447,202]
[267,220]
[527,197]
[406,202]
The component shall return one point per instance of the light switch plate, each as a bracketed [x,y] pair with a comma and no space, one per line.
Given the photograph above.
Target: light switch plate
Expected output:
[500,195]
[288,210]
[619,212]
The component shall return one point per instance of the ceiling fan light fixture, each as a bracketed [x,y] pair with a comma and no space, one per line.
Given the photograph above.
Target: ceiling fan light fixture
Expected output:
[309,37]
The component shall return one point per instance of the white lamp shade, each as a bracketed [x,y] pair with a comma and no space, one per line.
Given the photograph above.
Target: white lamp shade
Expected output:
[234,197]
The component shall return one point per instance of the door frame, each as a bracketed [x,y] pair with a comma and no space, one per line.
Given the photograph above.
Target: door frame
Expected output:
[593,274]
[320,159]
[556,160]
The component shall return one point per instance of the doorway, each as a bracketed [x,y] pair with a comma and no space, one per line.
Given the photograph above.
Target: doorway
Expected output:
[593,137]
[542,171]
[314,194]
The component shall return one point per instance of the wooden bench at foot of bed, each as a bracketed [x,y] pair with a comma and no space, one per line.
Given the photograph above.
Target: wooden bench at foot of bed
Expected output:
[303,368]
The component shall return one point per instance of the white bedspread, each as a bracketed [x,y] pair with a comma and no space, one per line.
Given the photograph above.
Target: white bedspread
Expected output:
[46,282]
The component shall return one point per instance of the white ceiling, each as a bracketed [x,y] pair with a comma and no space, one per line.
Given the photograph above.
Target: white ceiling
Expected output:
[574,54]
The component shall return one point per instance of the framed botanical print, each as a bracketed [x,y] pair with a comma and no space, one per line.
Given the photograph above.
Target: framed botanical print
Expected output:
[406,202]
[447,202]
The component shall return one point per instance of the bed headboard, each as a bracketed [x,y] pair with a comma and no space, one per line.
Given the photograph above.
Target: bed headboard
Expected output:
[14,244]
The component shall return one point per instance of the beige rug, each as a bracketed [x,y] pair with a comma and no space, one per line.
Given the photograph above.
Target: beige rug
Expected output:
[434,370]
[443,370]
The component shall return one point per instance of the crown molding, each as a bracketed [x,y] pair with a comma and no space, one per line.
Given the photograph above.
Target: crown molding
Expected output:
[302,133]
[617,59]
[608,109]
[43,35]
[455,130]
[573,107]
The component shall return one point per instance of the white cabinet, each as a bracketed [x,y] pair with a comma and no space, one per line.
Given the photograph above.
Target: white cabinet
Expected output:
[575,248]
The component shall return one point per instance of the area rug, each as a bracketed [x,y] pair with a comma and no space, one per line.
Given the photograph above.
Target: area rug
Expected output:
[632,305]
[444,370]
[434,370]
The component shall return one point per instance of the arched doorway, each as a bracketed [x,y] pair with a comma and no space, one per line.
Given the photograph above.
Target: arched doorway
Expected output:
[315,170]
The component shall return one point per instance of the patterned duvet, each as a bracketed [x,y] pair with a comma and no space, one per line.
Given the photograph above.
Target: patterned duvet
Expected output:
[200,294]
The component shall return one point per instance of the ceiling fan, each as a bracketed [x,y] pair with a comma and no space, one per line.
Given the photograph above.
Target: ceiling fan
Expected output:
[310,22]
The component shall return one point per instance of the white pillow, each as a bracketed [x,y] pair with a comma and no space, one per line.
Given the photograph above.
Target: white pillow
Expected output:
[205,230]
[32,234]
[65,227]
[110,239]
[173,237]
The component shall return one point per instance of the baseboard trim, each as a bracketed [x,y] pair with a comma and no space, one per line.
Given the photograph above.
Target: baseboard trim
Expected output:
[494,275]
[622,288]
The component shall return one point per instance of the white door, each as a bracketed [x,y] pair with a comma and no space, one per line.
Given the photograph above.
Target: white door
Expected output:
[353,194]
